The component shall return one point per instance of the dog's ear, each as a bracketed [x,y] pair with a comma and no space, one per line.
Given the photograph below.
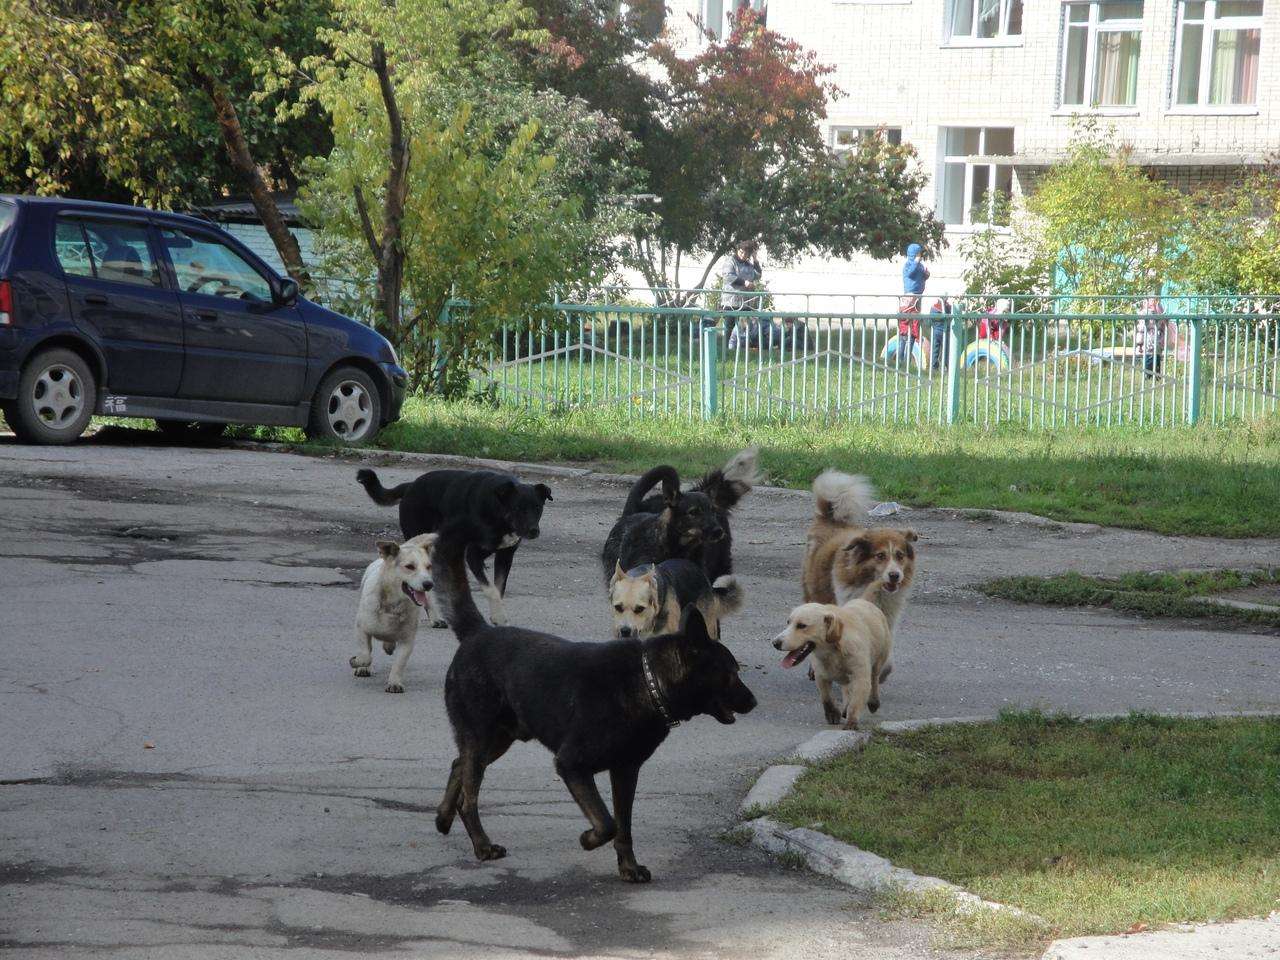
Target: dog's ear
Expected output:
[542,490]
[430,540]
[860,547]
[911,536]
[388,549]
[834,627]
[505,491]
[618,572]
[692,625]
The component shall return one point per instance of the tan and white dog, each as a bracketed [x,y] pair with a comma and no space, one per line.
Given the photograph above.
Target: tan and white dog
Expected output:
[648,599]
[851,646]
[393,594]
[843,558]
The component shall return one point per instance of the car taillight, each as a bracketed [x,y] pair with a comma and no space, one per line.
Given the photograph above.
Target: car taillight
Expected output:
[6,303]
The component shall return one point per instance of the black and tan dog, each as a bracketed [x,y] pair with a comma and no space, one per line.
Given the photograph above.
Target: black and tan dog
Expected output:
[651,598]
[497,504]
[724,486]
[691,524]
[595,706]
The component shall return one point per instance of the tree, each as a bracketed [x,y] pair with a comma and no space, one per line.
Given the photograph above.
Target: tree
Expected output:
[429,194]
[1108,227]
[730,143]
[1233,237]
[1000,259]
[129,100]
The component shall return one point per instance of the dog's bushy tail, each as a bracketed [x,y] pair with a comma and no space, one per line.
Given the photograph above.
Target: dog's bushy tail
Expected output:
[377,492]
[453,590]
[729,595]
[842,497]
[730,483]
[666,475]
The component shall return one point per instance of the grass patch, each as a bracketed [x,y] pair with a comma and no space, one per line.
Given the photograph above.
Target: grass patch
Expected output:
[1146,594]
[1219,480]
[1092,825]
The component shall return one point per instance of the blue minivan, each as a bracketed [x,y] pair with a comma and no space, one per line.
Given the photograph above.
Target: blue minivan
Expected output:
[129,312]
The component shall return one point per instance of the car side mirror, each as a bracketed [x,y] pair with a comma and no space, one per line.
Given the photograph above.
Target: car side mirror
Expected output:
[286,292]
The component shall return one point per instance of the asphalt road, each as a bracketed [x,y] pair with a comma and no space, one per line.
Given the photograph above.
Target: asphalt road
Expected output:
[189,770]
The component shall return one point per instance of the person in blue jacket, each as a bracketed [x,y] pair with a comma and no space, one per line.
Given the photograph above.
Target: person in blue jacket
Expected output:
[914,274]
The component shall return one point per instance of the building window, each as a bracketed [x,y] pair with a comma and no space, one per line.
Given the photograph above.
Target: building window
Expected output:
[978,20]
[1101,44]
[847,138]
[971,189]
[1217,52]
[716,13]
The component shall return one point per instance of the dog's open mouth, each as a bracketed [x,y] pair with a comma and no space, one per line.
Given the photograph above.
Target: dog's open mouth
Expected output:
[797,655]
[417,596]
[890,586]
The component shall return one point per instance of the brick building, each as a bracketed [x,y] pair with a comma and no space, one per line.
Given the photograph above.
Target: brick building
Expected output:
[985,90]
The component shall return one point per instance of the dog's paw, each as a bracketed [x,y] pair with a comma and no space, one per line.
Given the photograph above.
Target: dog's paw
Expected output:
[444,821]
[439,624]
[851,725]
[362,672]
[593,838]
[873,705]
[394,688]
[634,873]
[498,618]
[832,717]
[360,661]
[388,648]
[492,851]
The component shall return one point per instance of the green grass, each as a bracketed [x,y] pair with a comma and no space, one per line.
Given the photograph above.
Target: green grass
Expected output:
[1094,826]
[1208,480]
[1146,594]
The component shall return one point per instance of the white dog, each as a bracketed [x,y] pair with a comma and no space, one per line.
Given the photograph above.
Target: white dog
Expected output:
[393,594]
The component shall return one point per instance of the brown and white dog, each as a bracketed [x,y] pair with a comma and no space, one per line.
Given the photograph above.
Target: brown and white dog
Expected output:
[843,558]
[851,647]
[393,594]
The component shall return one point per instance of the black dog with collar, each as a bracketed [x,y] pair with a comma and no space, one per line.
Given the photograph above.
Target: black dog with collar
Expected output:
[595,706]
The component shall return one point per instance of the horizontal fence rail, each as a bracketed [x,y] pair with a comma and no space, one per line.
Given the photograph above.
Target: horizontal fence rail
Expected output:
[1043,368]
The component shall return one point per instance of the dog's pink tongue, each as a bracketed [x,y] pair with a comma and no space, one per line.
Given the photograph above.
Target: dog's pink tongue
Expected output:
[791,659]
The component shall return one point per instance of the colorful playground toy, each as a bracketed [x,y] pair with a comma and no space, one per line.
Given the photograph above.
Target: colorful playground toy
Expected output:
[919,352]
[993,351]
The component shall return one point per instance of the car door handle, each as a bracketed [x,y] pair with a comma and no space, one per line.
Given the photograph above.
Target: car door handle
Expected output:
[208,316]
[96,300]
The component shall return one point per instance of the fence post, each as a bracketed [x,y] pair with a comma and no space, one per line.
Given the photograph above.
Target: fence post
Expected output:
[1195,359]
[955,355]
[710,370]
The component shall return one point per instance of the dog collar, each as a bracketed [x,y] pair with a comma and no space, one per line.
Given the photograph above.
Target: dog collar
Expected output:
[655,691]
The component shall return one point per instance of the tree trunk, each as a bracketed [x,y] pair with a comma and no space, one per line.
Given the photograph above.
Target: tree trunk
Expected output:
[390,255]
[242,162]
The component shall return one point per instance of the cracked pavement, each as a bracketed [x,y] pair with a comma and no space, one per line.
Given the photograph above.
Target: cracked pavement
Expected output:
[189,770]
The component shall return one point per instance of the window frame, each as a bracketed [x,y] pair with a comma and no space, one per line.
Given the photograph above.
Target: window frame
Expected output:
[727,8]
[968,161]
[1003,38]
[1094,28]
[1210,23]
[862,129]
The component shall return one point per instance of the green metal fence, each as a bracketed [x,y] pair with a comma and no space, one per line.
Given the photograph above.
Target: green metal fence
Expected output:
[1038,362]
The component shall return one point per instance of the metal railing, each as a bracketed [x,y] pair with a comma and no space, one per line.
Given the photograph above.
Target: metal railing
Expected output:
[1055,365]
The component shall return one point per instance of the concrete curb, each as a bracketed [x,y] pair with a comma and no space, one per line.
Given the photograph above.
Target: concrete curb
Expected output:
[870,873]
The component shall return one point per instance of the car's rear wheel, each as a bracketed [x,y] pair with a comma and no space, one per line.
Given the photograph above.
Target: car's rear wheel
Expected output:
[346,407]
[191,429]
[56,397]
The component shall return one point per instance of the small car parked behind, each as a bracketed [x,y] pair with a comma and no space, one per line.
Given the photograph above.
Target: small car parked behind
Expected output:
[130,312]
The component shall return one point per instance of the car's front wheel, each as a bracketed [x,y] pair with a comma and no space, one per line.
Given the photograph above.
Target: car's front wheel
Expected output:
[56,397]
[346,407]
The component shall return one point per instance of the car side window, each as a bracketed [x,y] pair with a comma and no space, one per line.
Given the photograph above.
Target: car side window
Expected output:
[117,252]
[206,266]
[73,249]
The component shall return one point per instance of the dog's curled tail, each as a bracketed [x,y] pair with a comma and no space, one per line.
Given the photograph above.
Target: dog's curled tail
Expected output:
[730,483]
[729,595]
[453,591]
[842,497]
[377,492]
[666,475]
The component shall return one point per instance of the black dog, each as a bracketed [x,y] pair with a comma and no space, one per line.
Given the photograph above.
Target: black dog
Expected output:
[501,508]
[676,531]
[725,487]
[596,706]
